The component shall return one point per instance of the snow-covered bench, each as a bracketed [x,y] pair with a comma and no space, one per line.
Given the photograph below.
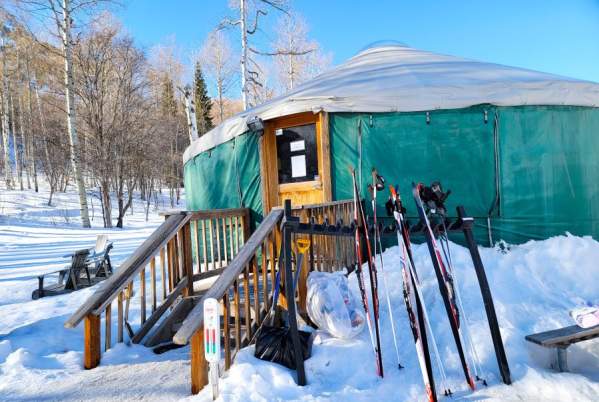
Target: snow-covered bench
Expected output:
[561,338]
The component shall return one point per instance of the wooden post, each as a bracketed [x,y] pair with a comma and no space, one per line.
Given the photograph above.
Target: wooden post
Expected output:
[289,291]
[187,257]
[142,295]
[303,278]
[91,340]
[199,366]
[108,328]
[153,280]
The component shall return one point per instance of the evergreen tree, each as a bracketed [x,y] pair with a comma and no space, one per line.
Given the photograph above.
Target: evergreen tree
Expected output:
[202,101]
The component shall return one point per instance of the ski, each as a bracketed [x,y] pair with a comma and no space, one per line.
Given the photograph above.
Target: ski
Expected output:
[504,368]
[417,321]
[362,229]
[378,184]
[445,282]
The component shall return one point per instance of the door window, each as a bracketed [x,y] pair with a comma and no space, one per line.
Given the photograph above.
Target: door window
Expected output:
[296,153]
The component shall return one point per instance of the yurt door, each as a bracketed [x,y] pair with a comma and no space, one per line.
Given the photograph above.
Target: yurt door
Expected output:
[296,160]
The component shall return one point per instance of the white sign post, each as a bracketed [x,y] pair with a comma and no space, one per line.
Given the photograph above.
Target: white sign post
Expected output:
[212,341]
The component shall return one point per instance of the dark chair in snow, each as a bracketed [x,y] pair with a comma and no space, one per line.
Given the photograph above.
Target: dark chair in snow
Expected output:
[560,339]
[88,267]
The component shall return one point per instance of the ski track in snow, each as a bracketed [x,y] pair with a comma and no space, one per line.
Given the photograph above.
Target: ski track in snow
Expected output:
[533,285]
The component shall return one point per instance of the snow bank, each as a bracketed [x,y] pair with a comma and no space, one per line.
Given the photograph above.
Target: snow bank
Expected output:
[534,285]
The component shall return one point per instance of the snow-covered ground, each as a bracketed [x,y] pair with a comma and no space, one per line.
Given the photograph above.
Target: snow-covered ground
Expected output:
[534,286]
[40,360]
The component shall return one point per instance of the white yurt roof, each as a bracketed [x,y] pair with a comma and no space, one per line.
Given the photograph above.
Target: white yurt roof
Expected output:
[397,78]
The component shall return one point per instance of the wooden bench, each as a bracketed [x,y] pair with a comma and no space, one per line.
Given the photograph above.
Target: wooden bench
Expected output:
[561,339]
[88,267]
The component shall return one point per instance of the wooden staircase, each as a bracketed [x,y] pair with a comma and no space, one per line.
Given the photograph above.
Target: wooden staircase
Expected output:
[196,255]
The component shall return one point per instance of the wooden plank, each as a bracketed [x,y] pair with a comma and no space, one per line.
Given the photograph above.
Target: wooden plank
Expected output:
[204,248]
[108,328]
[211,244]
[264,269]
[564,336]
[155,316]
[273,263]
[91,341]
[325,157]
[170,267]
[247,302]
[119,327]
[196,238]
[231,238]
[256,279]
[218,243]
[187,257]
[223,283]
[163,268]
[97,303]
[217,213]
[268,168]
[142,295]
[225,242]
[237,228]
[237,313]
[226,334]
[199,366]
[153,281]
[178,257]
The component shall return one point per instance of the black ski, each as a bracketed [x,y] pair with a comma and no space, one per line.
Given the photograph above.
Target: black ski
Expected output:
[445,283]
[361,229]
[504,368]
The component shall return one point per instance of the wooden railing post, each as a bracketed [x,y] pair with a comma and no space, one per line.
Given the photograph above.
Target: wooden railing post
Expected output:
[187,257]
[199,366]
[91,340]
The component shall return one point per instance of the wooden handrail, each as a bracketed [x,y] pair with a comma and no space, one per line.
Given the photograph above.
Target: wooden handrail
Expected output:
[221,213]
[195,319]
[208,213]
[174,256]
[322,205]
[110,289]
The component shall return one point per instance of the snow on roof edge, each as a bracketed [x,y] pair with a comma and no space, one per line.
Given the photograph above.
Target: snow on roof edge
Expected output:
[401,79]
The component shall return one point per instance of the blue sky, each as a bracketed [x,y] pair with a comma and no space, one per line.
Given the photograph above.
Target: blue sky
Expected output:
[557,36]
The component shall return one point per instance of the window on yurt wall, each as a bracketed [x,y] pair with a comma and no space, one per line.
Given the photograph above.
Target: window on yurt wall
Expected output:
[297,154]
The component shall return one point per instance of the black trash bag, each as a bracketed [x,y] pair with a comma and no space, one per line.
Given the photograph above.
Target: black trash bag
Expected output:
[274,344]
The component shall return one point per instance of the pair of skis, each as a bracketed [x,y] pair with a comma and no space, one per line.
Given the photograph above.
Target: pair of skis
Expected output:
[418,319]
[446,285]
[362,232]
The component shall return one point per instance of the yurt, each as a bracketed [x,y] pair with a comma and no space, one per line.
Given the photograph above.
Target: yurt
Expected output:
[518,148]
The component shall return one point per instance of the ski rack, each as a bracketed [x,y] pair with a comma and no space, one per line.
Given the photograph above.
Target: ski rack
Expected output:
[291,225]
[465,224]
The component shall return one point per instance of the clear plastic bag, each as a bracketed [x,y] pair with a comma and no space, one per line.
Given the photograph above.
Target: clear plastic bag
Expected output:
[332,306]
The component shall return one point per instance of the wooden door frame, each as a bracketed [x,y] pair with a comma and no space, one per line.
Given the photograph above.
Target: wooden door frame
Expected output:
[269,170]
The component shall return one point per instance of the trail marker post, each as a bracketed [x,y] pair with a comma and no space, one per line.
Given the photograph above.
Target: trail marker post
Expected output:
[212,341]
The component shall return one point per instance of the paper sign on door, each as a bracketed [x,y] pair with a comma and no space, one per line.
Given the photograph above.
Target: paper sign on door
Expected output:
[298,166]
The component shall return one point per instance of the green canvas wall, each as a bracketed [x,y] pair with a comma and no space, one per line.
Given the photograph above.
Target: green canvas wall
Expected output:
[227,176]
[546,178]
[547,173]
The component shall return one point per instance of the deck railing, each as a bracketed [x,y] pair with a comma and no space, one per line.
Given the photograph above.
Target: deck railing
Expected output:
[245,289]
[161,268]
